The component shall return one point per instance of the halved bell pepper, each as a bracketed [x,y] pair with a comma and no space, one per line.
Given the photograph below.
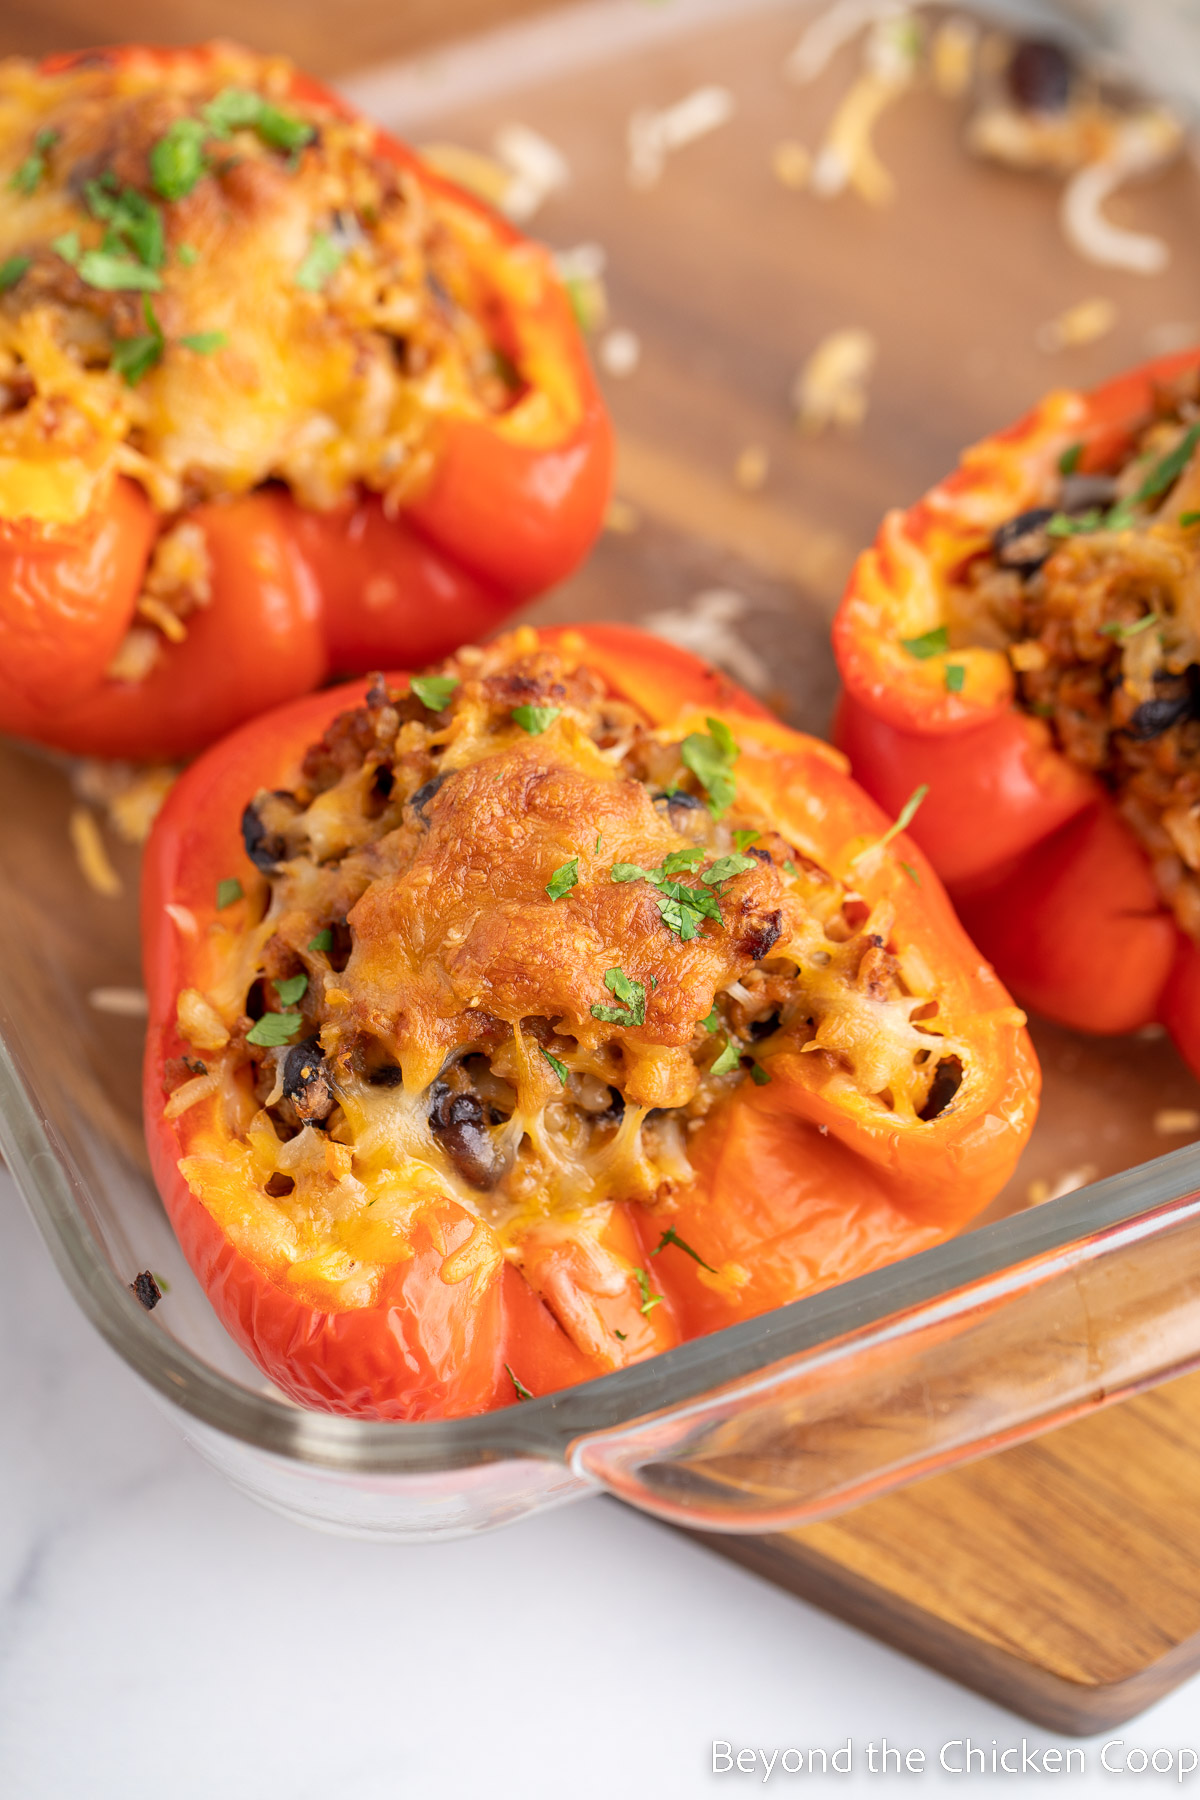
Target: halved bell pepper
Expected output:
[864,1097]
[502,502]
[1047,875]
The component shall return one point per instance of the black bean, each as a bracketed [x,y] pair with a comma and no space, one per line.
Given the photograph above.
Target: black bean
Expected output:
[947,1079]
[759,935]
[306,1081]
[388,1076]
[677,800]
[761,1028]
[383,781]
[146,1289]
[424,795]
[1179,702]
[456,1120]
[1021,543]
[266,849]
[1039,76]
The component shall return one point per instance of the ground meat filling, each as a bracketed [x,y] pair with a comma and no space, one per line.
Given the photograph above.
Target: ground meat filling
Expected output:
[1095,595]
[504,932]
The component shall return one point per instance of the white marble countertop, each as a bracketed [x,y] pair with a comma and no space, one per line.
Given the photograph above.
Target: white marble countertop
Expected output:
[160,1634]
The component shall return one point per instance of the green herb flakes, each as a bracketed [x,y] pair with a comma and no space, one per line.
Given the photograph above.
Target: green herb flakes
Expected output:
[564,878]
[290,988]
[955,676]
[930,643]
[434,691]
[28,178]
[228,891]
[729,1059]
[680,861]
[519,1388]
[274,1030]
[67,246]
[631,998]
[1075,524]
[11,271]
[713,1021]
[908,813]
[281,130]
[322,944]
[233,109]
[743,839]
[727,866]
[1070,459]
[177,160]
[649,1298]
[188,255]
[204,342]
[1167,471]
[135,224]
[1186,519]
[1116,628]
[620,1334]
[671,1236]
[911,873]
[789,867]
[115,274]
[133,357]
[758,1075]
[560,1068]
[710,756]
[535,719]
[322,259]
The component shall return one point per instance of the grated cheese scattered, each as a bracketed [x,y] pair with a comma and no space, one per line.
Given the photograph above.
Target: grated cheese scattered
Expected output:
[1141,144]
[620,352]
[581,271]
[827,34]
[136,654]
[831,388]
[191,1093]
[705,626]
[537,168]
[1041,1190]
[121,1002]
[653,135]
[1169,1120]
[953,51]
[1078,325]
[183,918]
[90,852]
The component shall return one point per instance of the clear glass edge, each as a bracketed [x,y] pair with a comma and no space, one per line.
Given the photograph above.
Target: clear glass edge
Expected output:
[549,1427]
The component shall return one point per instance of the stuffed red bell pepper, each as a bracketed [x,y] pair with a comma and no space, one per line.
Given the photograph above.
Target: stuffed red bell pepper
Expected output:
[1026,640]
[276,401]
[511,1023]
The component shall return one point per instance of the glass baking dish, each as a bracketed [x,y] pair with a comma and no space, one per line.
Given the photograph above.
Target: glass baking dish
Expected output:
[723,278]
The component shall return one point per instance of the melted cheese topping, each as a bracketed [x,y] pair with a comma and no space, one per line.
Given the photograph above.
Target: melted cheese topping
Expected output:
[349,304]
[459,1030]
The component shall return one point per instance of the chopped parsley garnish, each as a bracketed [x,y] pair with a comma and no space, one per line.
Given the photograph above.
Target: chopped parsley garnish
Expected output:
[563,879]
[743,839]
[28,177]
[240,109]
[930,643]
[204,342]
[1118,629]
[649,1298]
[67,246]
[133,357]
[631,998]
[177,160]
[620,1334]
[228,891]
[187,254]
[790,867]
[560,1068]
[679,860]
[322,259]
[135,226]
[908,813]
[290,988]
[713,1021]
[433,691]
[729,1059]
[911,873]
[1069,461]
[535,719]
[322,944]
[1168,469]
[671,1236]
[1189,518]
[710,756]
[1074,524]
[726,866]
[274,1030]
[955,675]
[758,1075]
[519,1388]
[114,274]
[11,271]
[281,130]
[681,908]
[599,841]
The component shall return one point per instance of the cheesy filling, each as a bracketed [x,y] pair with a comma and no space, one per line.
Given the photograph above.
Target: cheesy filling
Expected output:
[1095,595]
[207,284]
[514,944]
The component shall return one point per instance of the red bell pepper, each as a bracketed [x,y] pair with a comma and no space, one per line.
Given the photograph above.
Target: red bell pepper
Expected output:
[509,503]
[1047,876]
[803,1174]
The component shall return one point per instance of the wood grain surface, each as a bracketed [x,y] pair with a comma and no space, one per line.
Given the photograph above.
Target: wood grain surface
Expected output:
[1061,1577]
[326,38]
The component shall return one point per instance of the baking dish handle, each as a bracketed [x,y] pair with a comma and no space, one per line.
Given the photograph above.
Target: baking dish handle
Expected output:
[979,1368]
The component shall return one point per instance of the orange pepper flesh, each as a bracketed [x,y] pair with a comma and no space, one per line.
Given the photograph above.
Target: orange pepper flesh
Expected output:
[504,515]
[1051,884]
[797,1186]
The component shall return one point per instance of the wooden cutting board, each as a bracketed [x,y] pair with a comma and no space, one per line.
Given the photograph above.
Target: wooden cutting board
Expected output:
[1060,1578]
